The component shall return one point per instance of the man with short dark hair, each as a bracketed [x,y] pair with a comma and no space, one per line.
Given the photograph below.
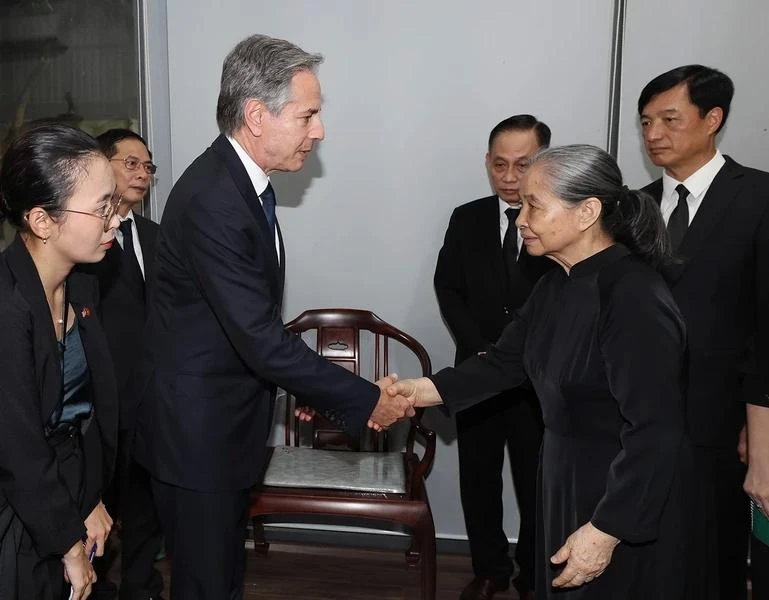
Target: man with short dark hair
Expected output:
[717,213]
[126,276]
[483,275]
[217,346]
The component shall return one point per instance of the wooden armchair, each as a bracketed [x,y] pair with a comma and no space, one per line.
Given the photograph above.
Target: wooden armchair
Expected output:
[373,484]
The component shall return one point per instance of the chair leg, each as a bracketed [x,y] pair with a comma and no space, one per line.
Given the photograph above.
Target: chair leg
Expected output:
[413,554]
[260,543]
[425,531]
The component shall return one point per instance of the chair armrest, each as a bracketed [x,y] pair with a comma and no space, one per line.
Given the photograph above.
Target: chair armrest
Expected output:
[419,469]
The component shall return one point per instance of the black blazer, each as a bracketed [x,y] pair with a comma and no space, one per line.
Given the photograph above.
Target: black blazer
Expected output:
[122,309]
[30,373]
[722,289]
[216,345]
[470,278]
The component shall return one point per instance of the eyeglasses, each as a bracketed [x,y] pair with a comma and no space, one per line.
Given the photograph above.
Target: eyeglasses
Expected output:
[132,163]
[107,213]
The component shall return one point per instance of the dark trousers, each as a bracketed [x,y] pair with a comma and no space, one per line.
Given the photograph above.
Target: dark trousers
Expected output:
[205,534]
[513,420]
[724,518]
[130,500]
[759,569]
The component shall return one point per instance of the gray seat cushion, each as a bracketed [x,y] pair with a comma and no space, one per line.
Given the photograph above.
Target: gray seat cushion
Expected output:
[382,472]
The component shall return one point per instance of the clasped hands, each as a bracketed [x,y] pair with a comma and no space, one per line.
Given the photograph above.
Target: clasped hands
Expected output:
[397,401]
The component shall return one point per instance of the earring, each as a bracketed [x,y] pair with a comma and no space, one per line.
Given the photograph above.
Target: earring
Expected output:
[45,240]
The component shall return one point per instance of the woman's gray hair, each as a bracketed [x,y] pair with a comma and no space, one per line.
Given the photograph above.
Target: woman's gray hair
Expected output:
[580,171]
[259,67]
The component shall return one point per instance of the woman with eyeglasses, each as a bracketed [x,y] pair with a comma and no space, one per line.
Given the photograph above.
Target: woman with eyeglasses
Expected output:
[58,398]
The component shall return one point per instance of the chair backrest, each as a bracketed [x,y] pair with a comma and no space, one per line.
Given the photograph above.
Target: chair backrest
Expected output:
[338,338]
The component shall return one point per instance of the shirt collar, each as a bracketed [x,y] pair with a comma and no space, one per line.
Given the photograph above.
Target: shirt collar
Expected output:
[258,177]
[503,206]
[699,181]
[130,215]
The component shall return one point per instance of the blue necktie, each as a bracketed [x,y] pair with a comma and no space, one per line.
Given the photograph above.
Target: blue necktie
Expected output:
[268,204]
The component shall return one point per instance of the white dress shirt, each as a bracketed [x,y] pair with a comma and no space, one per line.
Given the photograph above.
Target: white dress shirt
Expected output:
[135,235]
[697,183]
[258,179]
[503,222]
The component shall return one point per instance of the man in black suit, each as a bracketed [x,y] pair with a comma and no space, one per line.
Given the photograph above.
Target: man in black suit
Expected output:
[483,275]
[126,277]
[217,346]
[717,213]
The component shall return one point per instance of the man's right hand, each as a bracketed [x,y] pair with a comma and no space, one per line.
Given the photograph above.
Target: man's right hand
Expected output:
[78,571]
[389,409]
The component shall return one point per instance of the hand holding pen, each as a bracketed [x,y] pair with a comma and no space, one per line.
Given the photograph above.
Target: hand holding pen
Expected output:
[78,571]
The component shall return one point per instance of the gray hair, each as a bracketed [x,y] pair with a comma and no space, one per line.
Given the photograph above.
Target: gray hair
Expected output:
[580,171]
[259,67]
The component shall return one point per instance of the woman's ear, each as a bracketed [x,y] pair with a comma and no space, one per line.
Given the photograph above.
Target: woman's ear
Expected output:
[589,213]
[40,223]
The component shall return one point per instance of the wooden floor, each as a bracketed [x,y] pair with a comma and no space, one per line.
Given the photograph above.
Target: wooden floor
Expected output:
[334,573]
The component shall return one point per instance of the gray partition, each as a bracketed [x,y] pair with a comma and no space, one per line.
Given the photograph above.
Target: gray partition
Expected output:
[411,90]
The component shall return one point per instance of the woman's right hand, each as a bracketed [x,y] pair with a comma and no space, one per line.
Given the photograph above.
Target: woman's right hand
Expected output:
[419,392]
[78,571]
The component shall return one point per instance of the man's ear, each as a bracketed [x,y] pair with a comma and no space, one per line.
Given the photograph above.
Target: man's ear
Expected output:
[714,119]
[254,113]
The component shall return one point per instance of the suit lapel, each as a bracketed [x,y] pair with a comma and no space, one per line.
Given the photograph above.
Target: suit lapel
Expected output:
[237,171]
[46,352]
[715,205]
[81,296]
[282,280]
[148,243]
[717,201]
[488,225]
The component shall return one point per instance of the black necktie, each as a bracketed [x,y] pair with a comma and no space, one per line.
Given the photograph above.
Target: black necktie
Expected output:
[129,253]
[510,242]
[268,204]
[678,222]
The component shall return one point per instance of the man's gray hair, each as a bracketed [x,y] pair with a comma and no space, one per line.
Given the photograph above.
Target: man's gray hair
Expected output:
[259,67]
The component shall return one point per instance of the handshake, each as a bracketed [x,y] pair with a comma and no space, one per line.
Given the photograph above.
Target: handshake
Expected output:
[397,401]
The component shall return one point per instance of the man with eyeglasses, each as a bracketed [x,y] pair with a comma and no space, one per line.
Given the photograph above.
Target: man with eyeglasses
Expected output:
[482,277]
[126,277]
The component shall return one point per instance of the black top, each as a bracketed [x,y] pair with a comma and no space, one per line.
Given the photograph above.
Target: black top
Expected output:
[603,347]
[32,489]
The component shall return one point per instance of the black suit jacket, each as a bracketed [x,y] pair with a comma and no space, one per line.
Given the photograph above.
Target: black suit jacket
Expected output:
[722,289]
[470,279]
[122,309]
[30,389]
[216,345]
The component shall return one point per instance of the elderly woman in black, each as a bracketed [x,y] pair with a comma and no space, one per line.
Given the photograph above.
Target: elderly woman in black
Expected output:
[602,341]
[58,413]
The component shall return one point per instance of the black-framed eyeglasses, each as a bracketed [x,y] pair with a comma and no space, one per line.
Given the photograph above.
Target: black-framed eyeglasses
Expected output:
[109,211]
[132,163]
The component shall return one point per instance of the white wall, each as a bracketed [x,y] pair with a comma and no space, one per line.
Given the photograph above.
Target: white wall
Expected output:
[729,36]
[411,91]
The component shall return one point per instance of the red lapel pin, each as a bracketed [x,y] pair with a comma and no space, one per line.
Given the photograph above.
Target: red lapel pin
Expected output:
[85,313]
